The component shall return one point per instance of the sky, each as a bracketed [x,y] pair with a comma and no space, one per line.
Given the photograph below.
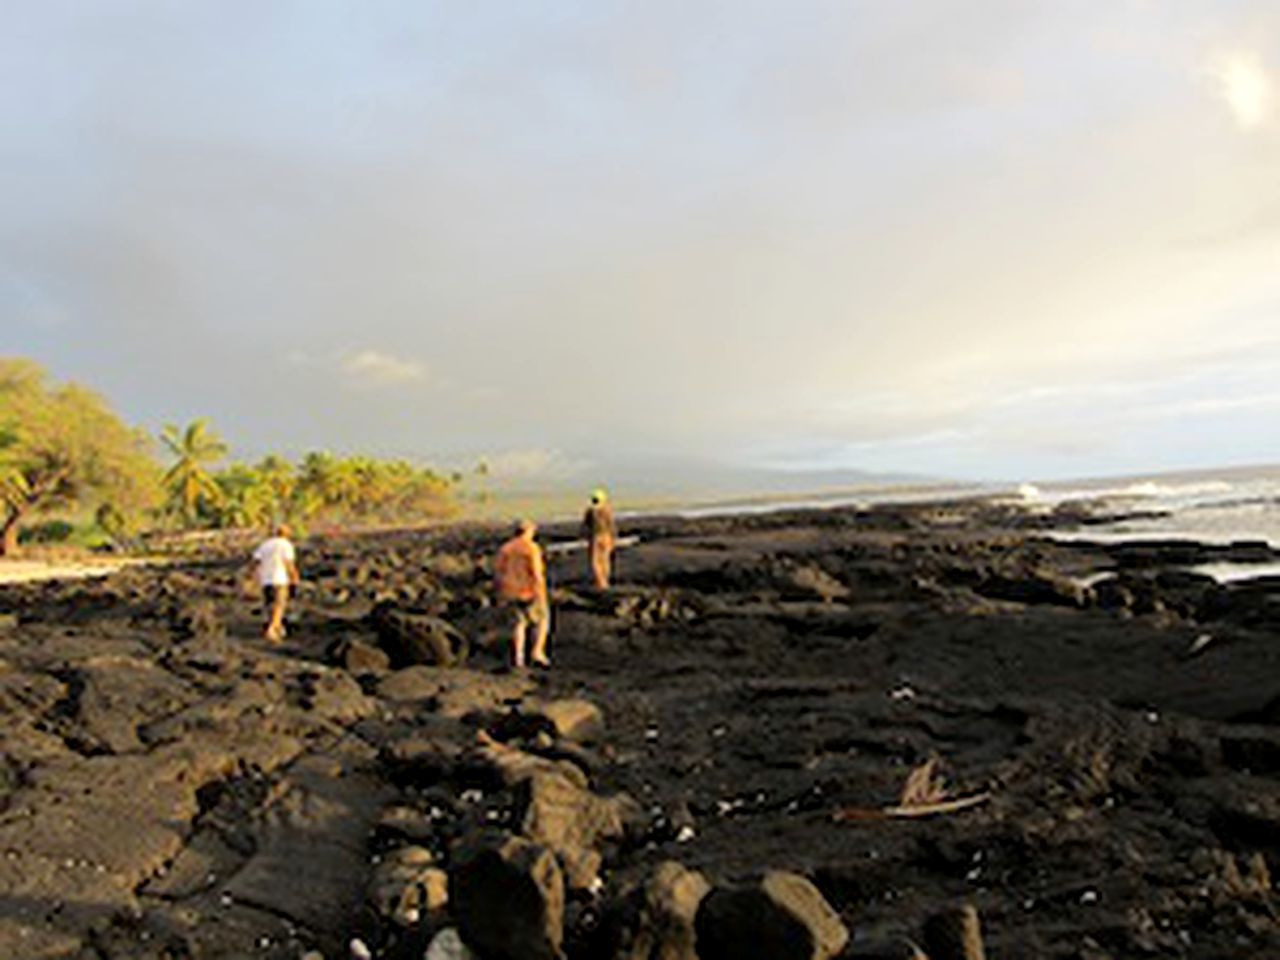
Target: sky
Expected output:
[999,239]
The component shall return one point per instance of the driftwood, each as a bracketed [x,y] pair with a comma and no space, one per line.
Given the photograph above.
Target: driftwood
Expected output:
[570,546]
[923,795]
[897,812]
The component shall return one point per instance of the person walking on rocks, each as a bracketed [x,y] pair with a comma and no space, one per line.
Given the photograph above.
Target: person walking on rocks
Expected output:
[601,530]
[520,580]
[277,572]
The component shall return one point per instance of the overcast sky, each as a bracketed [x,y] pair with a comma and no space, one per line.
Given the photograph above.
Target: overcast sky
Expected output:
[986,239]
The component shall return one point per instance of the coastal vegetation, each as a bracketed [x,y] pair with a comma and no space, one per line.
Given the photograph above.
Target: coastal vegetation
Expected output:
[67,458]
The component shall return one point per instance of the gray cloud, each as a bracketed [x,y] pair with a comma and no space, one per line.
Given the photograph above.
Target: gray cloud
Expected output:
[744,229]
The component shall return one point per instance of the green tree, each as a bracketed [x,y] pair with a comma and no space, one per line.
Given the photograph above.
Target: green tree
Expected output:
[281,481]
[243,499]
[188,481]
[62,446]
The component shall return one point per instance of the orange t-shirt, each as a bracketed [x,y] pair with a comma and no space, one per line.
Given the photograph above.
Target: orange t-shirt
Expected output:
[518,572]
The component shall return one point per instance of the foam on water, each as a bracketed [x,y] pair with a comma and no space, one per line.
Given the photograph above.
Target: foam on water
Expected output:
[1241,506]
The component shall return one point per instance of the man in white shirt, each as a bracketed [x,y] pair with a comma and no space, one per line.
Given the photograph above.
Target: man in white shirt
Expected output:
[277,572]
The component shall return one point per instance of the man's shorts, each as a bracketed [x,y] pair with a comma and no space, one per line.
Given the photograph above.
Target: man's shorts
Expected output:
[270,592]
[527,612]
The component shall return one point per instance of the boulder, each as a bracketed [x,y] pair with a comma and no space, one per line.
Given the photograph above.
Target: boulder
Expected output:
[780,916]
[417,638]
[454,693]
[406,825]
[448,945]
[356,656]
[497,875]
[407,886]
[564,816]
[420,760]
[572,719]
[954,935]
[506,766]
[662,927]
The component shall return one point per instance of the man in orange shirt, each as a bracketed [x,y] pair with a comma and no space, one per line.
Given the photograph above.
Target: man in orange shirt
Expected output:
[520,579]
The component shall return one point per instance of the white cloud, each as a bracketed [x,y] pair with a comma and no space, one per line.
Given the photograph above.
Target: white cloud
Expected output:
[382,369]
[1246,86]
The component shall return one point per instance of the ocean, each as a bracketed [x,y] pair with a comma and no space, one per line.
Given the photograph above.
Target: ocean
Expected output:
[1218,507]
[1210,506]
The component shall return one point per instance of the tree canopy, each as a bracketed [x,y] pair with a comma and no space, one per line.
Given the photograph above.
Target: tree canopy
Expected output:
[62,449]
[322,485]
[62,445]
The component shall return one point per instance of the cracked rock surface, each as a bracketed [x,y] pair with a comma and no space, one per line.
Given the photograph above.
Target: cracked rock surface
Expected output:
[171,786]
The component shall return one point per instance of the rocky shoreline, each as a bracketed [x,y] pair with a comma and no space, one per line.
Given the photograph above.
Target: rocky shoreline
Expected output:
[704,773]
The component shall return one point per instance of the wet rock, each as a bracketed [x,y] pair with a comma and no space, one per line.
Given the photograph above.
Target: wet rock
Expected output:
[407,886]
[779,917]
[498,875]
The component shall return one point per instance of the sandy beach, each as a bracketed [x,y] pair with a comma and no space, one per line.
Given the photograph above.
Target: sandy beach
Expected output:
[752,697]
[27,571]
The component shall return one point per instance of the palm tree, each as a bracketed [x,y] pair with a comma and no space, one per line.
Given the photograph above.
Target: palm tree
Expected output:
[188,481]
[280,479]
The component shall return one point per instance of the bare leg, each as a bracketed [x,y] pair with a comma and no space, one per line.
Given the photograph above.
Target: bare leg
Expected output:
[600,556]
[540,631]
[517,642]
[275,625]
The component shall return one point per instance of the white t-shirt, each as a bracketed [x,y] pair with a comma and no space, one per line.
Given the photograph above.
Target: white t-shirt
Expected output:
[273,558]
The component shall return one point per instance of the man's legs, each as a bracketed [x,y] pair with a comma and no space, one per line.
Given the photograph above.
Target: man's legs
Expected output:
[601,557]
[518,628]
[278,598]
[541,628]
